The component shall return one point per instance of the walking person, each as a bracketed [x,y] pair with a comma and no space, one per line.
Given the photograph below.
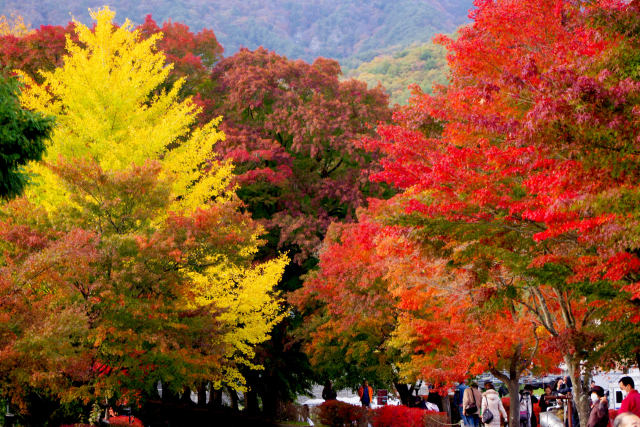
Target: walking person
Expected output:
[457,400]
[471,406]
[527,414]
[631,402]
[599,415]
[366,394]
[491,402]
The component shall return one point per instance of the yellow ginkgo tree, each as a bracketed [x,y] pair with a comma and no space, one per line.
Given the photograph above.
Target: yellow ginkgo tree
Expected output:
[145,252]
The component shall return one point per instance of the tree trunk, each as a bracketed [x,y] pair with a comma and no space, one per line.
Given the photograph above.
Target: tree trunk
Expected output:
[270,402]
[202,394]
[405,392]
[186,396]
[234,398]
[581,393]
[446,406]
[215,399]
[251,402]
[512,382]
[168,395]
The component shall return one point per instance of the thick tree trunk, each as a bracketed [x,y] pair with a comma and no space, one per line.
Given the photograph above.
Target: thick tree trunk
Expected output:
[251,402]
[168,395]
[405,392]
[269,403]
[446,406]
[202,395]
[234,398]
[514,402]
[513,384]
[580,389]
[215,399]
[186,396]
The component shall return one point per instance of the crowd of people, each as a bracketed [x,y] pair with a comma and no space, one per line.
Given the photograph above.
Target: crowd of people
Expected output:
[476,407]
[473,405]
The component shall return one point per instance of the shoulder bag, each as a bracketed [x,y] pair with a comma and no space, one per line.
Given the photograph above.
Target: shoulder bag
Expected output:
[472,409]
[487,415]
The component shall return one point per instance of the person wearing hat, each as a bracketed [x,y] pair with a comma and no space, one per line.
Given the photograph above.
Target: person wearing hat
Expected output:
[599,415]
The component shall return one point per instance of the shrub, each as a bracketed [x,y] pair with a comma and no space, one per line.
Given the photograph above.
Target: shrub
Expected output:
[400,416]
[335,413]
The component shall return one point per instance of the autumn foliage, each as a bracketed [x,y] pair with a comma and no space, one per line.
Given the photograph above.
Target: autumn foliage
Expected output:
[518,196]
[291,128]
[402,416]
[130,260]
[492,225]
[337,413]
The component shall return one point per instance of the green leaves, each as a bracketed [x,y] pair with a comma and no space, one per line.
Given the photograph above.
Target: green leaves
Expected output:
[23,136]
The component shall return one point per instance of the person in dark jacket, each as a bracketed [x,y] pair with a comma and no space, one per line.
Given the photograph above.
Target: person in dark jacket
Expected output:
[599,415]
[544,403]
[328,393]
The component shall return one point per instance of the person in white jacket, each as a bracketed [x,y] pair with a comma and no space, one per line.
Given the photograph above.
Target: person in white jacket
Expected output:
[491,400]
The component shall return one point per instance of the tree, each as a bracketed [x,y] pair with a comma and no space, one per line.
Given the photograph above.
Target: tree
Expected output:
[14,25]
[527,160]
[290,128]
[384,306]
[131,244]
[423,64]
[192,54]
[23,135]
[349,311]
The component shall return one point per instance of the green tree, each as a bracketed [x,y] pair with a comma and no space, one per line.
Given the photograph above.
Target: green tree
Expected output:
[23,136]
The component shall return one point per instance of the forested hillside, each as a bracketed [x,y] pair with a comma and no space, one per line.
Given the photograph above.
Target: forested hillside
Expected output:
[424,65]
[342,29]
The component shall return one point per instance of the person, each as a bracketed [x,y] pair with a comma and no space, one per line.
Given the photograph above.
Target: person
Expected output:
[599,415]
[546,403]
[422,403]
[527,395]
[471,401]
[457,400]
[565,385]
[366,394]
[328,393]
[491,401]
[631,402]
[626,419]
[503,390]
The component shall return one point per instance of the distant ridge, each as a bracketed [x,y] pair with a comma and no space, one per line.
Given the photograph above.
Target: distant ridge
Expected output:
[353,30]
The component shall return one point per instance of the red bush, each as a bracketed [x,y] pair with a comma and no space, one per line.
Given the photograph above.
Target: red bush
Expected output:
[335,413]
[398,416]
[403,416]
[124,420]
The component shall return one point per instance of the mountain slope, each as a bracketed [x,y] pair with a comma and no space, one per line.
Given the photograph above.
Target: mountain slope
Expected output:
[298,29]
[424,65]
